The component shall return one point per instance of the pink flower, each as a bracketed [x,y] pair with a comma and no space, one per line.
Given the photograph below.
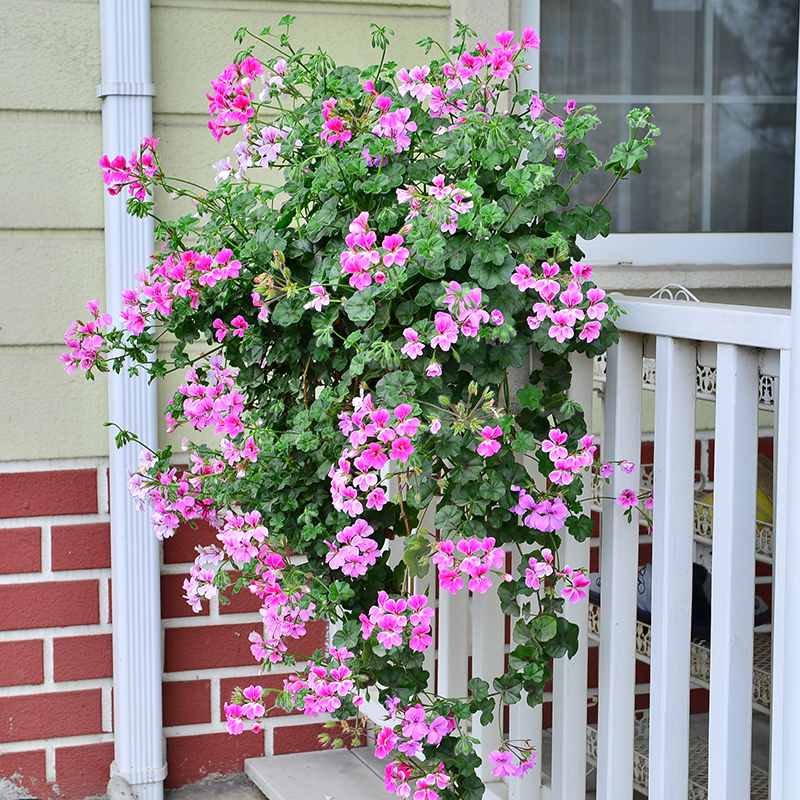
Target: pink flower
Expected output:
[401,449]
[503,763]
[395,253]
[529,39]
[414,346]
[239,326]
[537,106]
[627,499]
[576,591]
[488,446]
[221,329]
[320,297]
[446,331]
[433,370]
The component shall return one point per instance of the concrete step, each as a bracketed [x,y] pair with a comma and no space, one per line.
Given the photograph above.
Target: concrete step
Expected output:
[327,775]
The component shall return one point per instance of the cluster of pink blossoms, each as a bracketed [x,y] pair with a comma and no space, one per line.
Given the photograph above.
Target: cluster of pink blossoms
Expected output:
[499,62]
[181,275]
[442,202]
[230,103]
[212,401]
[564,307]
[199,585]
[507,764]
[465,316]
[118,173]
[321,690]
[545,515]
[474,558]
[362,255]
[284,610]
[399,621]
[537,570]
[173,496]
[394,125]
[356,551]
[376,435]
[252,708]
[85,340]
[398,776]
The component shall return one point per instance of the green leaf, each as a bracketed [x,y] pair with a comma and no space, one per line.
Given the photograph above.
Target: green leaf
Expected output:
[581,159]
[591,222]
[581,527]
[287,19]
[448,517]
[524,442]
[544,628]
[360,308]
[510,688]
[479,689]
[396,387]
[530,397]
[417,548]
[288,310]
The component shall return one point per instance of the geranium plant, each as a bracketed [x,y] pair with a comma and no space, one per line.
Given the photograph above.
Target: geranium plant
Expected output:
[381,252]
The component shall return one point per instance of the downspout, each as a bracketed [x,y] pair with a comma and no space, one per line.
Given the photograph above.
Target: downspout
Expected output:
[127,93]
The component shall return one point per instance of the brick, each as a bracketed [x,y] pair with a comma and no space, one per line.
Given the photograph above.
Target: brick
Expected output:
[48,605]
[180,548]
[38,494]
[186,702]
[80,658]
[272,681]
[49,716]
[208,647]
[83,771]
[26,770]
[81,546]
[301,738]
[243,602]
[173,604]
[21,549]
[21,663]
[191,758]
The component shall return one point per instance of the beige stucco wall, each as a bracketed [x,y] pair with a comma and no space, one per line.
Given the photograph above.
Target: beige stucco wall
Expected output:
[51,192]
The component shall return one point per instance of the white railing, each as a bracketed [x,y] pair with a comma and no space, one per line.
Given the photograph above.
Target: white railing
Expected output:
[744,345]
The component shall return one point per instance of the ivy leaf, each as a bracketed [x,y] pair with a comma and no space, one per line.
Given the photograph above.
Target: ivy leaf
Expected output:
[396,387]
[591,222]
[544,628]
[524,442]
[581,159]
[510,688]
[417,548]
[490,268]
[530,397]
[447,518]
[360,307]
[479,689]
[288,310]
[580,527]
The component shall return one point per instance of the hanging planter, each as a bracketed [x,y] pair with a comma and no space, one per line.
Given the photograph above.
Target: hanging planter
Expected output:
[379,254]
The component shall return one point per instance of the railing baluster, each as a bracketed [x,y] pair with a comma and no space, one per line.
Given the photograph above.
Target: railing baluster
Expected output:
[453,621]
[732,588]
[525,723]
[780,584]
[673,518]
[488,650]
[618,566]
[570,675]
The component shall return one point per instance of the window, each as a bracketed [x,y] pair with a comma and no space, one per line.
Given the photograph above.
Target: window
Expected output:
[720,78]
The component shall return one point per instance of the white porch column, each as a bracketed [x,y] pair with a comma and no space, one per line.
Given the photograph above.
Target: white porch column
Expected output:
[127,94]
[785,766]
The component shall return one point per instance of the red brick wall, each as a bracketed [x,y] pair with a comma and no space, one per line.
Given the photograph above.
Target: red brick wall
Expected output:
[56,734]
